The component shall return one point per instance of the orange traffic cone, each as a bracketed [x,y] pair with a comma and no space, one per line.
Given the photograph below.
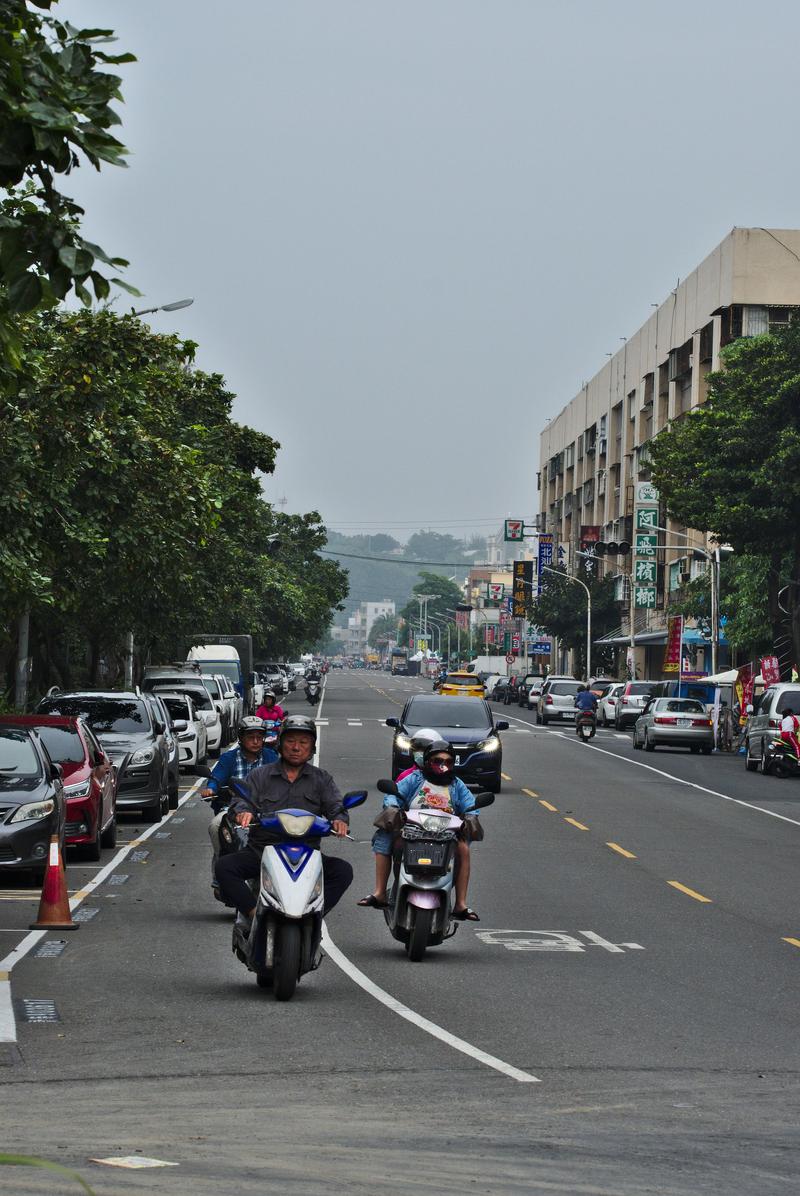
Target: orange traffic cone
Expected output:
[54,911]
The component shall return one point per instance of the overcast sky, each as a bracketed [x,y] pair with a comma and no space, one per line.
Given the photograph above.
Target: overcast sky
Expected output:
[412,229]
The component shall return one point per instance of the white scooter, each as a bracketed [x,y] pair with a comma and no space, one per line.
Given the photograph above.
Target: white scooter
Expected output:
[313,689]
[422,894]
[282,942]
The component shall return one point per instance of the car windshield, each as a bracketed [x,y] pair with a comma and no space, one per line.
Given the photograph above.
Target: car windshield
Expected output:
[212,687]
[199,696]
[64,744]
[564,687]
[682,706]
[447,712]
[17,757]
[105,715]
[177,707]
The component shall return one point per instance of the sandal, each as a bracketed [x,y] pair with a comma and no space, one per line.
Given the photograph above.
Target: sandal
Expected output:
[465,915]
[372,902]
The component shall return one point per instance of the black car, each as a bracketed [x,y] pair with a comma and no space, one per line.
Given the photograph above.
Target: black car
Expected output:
[529,689]
[134,739]
[466,723]
[500,690]
[32,806]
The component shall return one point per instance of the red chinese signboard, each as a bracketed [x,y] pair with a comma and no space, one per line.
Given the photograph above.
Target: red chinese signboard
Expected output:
[770,670]
[672,651]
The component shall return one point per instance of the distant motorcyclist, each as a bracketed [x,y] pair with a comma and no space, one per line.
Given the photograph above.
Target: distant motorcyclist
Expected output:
[291,782]
[269,710]
[585,700]
[239,762]
[789,728]
[312,673]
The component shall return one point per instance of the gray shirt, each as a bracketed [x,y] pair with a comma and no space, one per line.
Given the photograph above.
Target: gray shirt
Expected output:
[270,790]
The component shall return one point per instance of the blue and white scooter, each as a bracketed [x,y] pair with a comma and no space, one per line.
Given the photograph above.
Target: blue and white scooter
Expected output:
[282,942]
[422,895]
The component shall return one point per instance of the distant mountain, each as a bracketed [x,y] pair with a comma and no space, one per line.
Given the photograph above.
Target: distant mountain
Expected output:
[371,580]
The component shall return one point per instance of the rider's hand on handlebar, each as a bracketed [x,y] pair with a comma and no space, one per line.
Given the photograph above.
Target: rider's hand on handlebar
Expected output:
[340,828]
[208,793]
[244,819]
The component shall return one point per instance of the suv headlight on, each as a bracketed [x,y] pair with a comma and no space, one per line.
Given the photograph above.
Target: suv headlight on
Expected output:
[33,810]
[143,756]
[402,743]
[492,744]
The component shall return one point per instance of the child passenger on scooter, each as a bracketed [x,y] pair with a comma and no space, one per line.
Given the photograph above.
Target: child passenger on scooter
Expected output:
[433,784]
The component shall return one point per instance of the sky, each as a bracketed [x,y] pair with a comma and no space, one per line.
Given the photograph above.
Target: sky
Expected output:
[412,230]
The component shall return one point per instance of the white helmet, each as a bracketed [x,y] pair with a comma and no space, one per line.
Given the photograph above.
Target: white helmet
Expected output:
[420,740]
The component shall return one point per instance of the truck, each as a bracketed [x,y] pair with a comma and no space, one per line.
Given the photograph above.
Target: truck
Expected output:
[231,655]
[398,662]
[491,665]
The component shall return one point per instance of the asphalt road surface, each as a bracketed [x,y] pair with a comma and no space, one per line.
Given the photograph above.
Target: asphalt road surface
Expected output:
[623,1019]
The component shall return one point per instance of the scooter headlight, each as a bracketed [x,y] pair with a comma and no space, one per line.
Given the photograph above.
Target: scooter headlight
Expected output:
[296,824]
[432,822]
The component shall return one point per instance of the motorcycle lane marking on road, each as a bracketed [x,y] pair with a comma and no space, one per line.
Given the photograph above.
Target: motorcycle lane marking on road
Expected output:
[8,1026]
[737,801]
[422,1023]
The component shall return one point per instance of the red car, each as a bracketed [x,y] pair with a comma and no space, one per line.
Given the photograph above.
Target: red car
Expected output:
[90,779]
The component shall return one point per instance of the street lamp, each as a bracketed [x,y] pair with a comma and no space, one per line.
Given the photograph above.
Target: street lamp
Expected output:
[178,303]
[569,577]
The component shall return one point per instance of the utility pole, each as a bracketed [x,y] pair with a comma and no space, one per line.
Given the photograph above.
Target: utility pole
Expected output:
[23,663]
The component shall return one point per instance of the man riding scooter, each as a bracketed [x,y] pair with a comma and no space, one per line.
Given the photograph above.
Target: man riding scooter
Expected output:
[291,782]
[238,763]
[586,705]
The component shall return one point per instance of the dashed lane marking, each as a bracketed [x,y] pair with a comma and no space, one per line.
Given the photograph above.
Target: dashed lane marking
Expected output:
[505,776]
[794,942]
[621,851]
[676,884]
[574,822]
[548,806]
[530,792]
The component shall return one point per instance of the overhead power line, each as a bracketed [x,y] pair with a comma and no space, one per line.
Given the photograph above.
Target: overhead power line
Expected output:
[399,560]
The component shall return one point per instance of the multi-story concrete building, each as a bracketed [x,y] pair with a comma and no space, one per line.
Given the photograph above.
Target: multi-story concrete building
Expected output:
[361,622]
[595,450]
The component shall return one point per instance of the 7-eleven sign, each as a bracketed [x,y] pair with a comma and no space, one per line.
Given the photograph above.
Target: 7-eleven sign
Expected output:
[515,529]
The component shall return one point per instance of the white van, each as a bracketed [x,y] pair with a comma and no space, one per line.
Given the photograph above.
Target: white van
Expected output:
[224,659]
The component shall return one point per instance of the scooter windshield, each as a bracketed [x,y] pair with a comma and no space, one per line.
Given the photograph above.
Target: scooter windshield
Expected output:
[296,824]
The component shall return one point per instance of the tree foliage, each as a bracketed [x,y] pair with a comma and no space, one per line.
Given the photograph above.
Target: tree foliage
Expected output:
[133,503]
[56,96]
[560,611]
[732,467]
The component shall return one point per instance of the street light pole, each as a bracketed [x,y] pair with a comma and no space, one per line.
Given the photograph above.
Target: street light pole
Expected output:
[713,559]
[178,303]
[569,577]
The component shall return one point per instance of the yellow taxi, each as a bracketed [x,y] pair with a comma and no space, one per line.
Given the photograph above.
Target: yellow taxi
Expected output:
[463,685]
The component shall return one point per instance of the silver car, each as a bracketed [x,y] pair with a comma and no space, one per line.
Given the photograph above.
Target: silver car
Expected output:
[557,702]
[764,723]
[631,701]
[674,722]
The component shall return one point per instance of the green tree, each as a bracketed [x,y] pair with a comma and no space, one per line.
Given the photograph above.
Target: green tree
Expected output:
[744,586]
[732,467]
[383,629]
[56,111]
[560,610]
[445,594]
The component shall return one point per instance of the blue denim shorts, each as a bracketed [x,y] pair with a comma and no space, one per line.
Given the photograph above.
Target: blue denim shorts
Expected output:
[382,842]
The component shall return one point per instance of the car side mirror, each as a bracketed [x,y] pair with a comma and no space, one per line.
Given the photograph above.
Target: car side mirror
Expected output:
[393,722]
[180,724]
[389,788]
[356,797]
[501,726]
[159,727]
[57,772]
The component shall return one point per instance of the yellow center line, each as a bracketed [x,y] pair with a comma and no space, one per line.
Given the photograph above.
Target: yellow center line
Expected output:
[505,776]
[689,892]
[530,792]
[794,942]
[574,822]
[547,805]
[621,850]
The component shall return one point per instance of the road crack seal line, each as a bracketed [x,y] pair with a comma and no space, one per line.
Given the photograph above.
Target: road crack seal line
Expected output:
[8,1028]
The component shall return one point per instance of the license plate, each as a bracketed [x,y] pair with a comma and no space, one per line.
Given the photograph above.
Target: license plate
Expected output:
[568,714]
[684,722]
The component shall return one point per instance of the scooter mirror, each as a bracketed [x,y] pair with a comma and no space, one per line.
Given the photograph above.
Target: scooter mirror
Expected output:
[484,799]
[356,797]
[201,770]
[389,788]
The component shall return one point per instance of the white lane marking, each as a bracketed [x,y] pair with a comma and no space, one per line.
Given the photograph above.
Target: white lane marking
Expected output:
[416,1019]
[8,1028]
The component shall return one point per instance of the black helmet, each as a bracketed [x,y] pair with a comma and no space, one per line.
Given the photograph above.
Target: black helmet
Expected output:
[298,722]
[248,724]
[435,773]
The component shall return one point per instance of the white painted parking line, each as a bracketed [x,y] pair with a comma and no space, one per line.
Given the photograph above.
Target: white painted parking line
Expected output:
[416,1019]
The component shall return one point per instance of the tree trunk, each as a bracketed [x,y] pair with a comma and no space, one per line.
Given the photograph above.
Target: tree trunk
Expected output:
[94,660]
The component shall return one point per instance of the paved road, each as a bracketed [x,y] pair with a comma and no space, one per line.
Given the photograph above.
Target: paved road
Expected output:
[623,1019]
